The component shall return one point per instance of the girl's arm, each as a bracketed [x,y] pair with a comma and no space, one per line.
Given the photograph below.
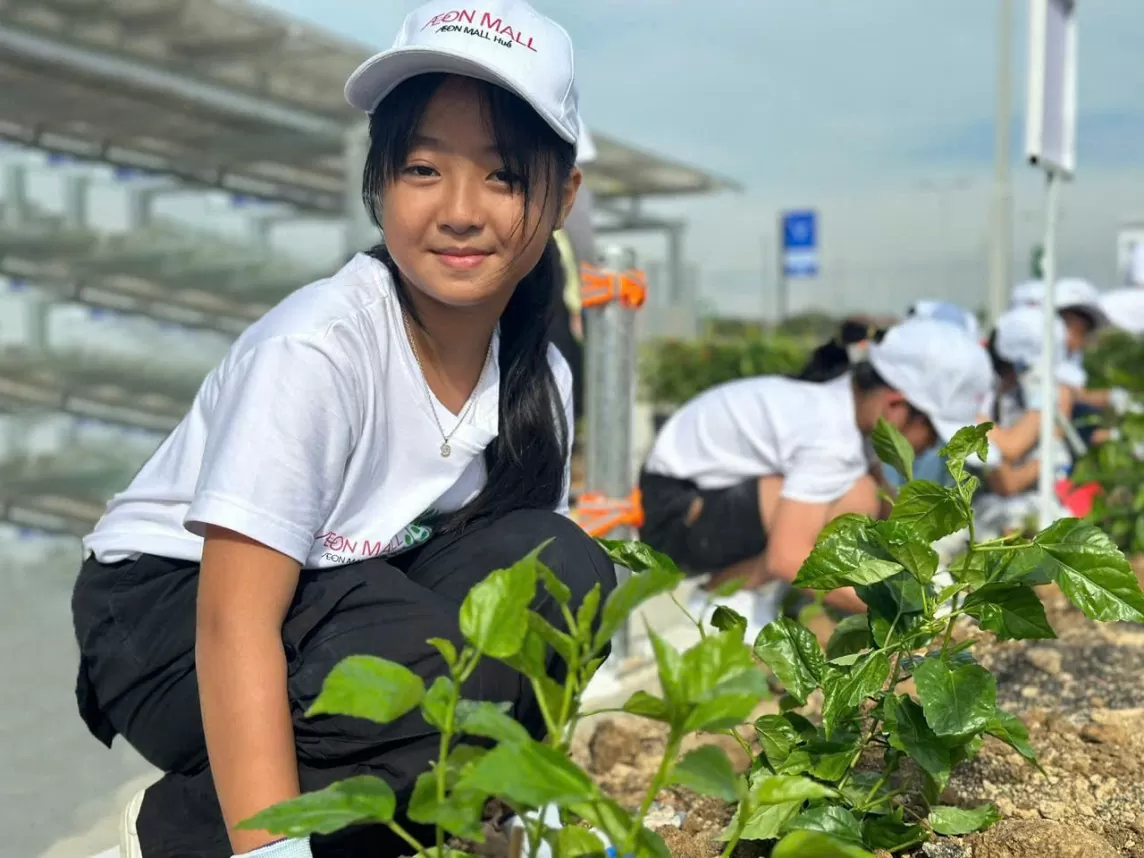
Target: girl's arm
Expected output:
[245,590]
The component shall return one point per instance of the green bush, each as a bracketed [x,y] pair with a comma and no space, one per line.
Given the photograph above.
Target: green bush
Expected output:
[674,371]
[1117,360]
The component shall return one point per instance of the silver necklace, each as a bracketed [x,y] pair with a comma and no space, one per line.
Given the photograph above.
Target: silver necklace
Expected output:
[446,447]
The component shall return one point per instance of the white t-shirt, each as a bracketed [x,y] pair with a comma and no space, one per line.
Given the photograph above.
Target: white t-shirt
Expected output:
[314,436]
[757,427]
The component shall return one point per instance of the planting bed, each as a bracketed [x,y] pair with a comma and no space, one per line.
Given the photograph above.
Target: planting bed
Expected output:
[1082,698]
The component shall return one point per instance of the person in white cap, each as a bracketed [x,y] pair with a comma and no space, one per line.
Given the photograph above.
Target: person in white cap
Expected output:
[1125,306]
[741,480]
[1015,348]
[1084,312]
[947,311]
[364,455]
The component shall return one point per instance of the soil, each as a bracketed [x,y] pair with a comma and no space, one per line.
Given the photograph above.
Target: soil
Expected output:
[1081,697]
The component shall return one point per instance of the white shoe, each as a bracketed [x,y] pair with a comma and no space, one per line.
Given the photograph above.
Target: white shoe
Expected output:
[128,829]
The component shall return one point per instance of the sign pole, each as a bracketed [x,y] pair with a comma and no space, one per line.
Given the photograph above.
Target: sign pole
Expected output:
[1050,143]
[1048,498]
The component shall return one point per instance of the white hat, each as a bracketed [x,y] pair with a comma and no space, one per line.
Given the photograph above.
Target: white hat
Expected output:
[1020,338]
[1136,265]
[946,311]
[505,42]
[1072,293]
[941,371]
[1125,308]
[586,147]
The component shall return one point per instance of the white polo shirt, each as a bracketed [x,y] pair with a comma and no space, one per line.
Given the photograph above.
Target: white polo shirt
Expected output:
[755,427]
[314,436]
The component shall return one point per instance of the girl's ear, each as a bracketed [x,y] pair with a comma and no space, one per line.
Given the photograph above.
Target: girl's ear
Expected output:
[568,196]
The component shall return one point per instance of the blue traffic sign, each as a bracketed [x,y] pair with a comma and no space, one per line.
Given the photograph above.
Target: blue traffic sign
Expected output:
[800,243]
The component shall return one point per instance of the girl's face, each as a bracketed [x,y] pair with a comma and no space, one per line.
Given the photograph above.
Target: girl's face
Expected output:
[1079,327]
[453,221]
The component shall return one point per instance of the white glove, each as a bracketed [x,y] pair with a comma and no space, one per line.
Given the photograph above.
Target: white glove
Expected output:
[292,847]
[1120,400]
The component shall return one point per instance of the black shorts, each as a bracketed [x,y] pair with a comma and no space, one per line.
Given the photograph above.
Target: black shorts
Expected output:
[729,527]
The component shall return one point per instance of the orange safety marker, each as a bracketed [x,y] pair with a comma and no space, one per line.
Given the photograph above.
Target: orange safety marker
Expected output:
[599,286]
[600,515]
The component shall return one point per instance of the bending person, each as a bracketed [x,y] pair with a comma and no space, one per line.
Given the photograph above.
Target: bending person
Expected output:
[742,479]
[363,456]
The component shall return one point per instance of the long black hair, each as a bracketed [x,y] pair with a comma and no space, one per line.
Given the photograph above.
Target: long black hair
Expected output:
[831,359]
[527,461]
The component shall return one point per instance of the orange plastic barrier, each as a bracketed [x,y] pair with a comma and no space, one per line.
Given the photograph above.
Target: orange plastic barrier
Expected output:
[600,515]
[599,286]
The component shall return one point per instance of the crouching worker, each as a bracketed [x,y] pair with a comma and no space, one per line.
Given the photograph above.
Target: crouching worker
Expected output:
[1009,498]
[742,479]
[364,455]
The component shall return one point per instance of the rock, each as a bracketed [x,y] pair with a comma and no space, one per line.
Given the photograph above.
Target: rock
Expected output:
[1013,838]
[945,849]
[614,743]
[661,816]
[1138,824]
[1044,659]
[1105,734]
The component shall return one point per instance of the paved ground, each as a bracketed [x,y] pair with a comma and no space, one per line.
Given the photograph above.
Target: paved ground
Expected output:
[60,789]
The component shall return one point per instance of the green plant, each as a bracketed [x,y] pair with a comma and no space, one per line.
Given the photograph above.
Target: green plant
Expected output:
[1115,466]
[674,371]
[810,787]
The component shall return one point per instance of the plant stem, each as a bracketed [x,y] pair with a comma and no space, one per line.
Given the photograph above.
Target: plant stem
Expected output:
[687,613]
[738,833]
[657,783]
[743,743]
[408,838]
[443,757]
[542,702]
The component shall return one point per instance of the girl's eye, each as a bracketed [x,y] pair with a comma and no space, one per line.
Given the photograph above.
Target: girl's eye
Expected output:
[506,177]
[420,171]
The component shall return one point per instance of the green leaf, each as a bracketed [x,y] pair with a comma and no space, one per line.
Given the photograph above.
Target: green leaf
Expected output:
[966,442]
[724,619]
[1092,572]
[828,759]
[845,689]
[563,644]
[530,774]
[893,448]
[586,613]
[778,789]
[491,720]
[891,833]
[435,703]
[765,822]
[358,799]
[531,659]
[446,648]
[929,510]
[777,737]
[572,841]
[708,771]
[607,816]
[1011,611]
[917,556]
[652,574]
[645,705]
[556,588]
[459,814]
[850,636]
[719,664]
[494,615]
[1012,731]
[846,554]
[896,608]
[956,702]
[793,654]
[669,663]
[836,821]
[363,686]
[910,732]
[956,821]
[816,844]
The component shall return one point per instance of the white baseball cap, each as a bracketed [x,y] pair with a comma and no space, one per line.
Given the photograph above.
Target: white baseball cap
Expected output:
[1072,293]
[1020,338]
[1125,308]
[942,371]
[947,311]
[504,42]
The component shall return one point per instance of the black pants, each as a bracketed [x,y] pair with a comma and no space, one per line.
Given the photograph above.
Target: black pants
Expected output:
[135,624]
[728,529]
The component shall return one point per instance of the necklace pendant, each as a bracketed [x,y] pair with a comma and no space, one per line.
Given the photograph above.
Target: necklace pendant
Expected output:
[446,450]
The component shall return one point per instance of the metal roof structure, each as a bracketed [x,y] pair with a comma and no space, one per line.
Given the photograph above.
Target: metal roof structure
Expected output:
[221,93]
